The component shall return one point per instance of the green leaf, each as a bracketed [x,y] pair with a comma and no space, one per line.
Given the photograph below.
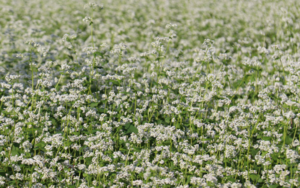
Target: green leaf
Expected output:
[132,129]
[68,143]
[254,177]
[267,138]
[123,149]
[27,155]
[102,110]
[253,151]
[94,104]
[274,156]
[288,140]
[76,133]
[2,173]
[54,122]
[188,178]
[127,126]
[273,186]
[259,136]
[137,149]
[264,153]
[260,180]
[98,53]
[231,179]
[167,120]
[40,146]
[88,160]
[15,151]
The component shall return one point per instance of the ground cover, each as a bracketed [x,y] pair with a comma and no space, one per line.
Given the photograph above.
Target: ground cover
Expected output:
[162,93]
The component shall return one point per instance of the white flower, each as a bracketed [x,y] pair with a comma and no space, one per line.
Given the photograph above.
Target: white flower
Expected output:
[81,166]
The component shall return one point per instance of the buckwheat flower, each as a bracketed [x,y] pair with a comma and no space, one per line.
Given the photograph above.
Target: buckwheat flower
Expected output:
[279,168]
[137,182]
[12,177]
[48,147]
[27,146]
[93,6]
[230,151]
[16,168]
[81,166]
[296,143]
[83,185]
[267,163]
[289,115]
[19,176]
[292,155]
[87,20]
[183,186]
[236,185]
[2,181]
[91,113]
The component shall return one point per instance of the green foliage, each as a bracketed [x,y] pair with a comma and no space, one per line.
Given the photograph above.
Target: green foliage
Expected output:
[129,128]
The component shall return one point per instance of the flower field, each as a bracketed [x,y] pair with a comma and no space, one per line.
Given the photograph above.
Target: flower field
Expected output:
[160,93]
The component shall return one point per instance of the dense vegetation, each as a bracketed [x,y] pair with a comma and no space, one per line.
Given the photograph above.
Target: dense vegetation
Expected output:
[160,93]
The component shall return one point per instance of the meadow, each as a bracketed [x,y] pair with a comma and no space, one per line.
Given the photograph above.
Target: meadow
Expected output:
[157,93]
